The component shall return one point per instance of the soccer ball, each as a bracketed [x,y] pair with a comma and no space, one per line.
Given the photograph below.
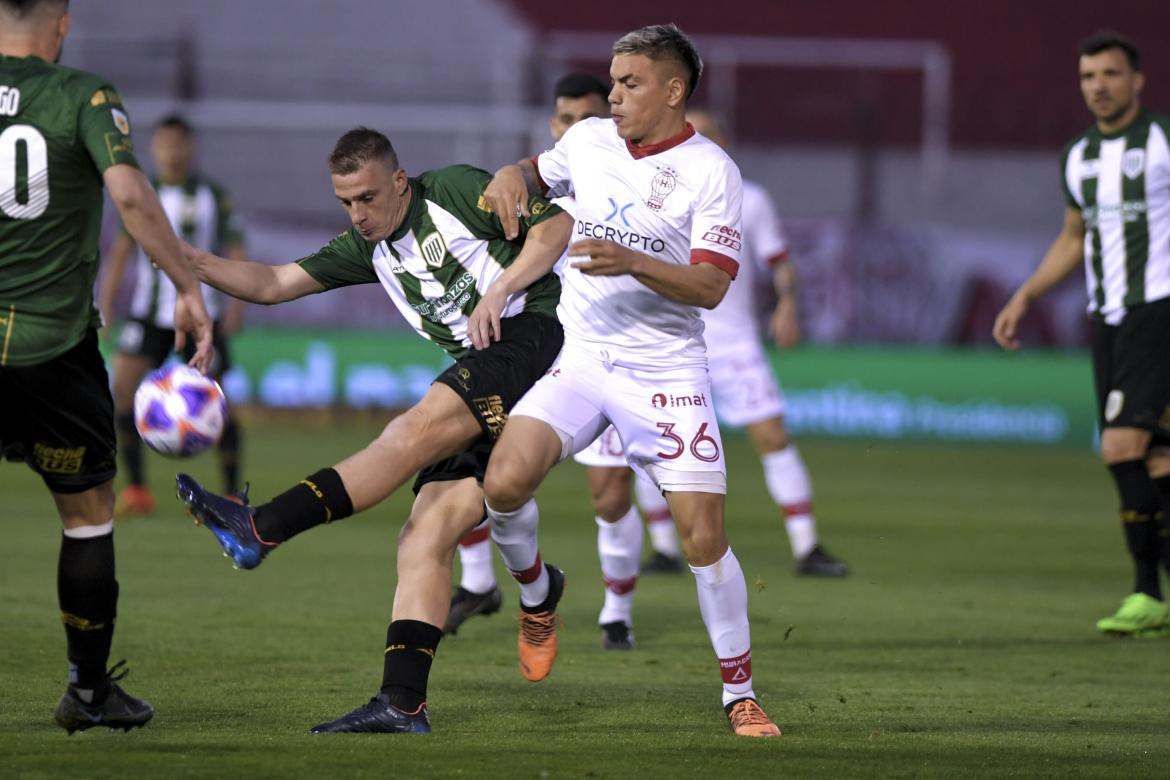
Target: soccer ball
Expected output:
[178,411]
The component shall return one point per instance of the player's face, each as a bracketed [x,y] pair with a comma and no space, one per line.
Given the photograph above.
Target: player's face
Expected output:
[172,151]
[643,93]
[1109,85]
[570,111]
[375,197]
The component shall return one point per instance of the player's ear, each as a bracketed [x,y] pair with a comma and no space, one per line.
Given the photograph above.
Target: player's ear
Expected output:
[676,91]
[1139,81]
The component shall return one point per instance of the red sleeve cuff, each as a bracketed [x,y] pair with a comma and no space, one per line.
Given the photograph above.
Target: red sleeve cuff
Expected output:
[536,166]
[778,258]
[722,262]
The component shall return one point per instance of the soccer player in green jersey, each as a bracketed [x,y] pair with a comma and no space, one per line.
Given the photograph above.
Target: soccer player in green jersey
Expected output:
[200,210]
[444,261]
[1117,225]
[63,134]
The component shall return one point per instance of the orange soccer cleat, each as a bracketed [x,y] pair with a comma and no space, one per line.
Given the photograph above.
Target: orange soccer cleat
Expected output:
[748,719]
[134,501]
[537,644]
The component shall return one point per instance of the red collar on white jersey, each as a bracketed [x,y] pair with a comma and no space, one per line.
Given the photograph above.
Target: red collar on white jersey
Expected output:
[638,152]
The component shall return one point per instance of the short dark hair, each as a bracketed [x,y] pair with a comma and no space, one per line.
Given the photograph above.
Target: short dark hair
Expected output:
[578,85]
[1109,39]
[358,147]
[22,9]
[664,42]
[176,122]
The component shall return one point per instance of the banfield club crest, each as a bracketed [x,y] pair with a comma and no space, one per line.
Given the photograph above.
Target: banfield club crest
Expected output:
[660,186]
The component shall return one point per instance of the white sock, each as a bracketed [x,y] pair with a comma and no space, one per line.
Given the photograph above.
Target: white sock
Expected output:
[619,546]
[515,536]
[475,560]
[791,489]
[723,605]
[658,520]
[89,531]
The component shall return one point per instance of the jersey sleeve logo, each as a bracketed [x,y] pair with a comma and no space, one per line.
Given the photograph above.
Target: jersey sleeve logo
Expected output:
[121,121]
[661,185]
[1133,162]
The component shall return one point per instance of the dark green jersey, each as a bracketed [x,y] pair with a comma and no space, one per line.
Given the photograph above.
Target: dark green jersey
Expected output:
[447,252]
[59,130]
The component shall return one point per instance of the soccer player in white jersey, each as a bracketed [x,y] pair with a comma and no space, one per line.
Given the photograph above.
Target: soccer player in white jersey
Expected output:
[201,213]
[1117,224]
[656,236]
[576,96]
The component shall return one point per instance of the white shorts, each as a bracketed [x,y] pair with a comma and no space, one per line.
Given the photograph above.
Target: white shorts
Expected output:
[606,451]
[745,389]
[664,417]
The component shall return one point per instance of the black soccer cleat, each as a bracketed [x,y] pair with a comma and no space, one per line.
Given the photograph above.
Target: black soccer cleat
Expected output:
[819,563]
[378,716]
[229,518]
[617,636]
[465,604]
[118,710]
[661,563]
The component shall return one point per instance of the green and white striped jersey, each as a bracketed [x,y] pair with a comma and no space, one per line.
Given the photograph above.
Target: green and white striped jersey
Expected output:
[444,256]
[1120,182]
[200,211]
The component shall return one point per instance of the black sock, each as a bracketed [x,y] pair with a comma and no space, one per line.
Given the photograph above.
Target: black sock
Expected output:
[229,455]
[1141,518]
[316,499]
[410,650]
[88,595]
[1163,486]
[130,448]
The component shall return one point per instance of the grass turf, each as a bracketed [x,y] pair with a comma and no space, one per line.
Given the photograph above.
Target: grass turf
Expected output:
[963,643]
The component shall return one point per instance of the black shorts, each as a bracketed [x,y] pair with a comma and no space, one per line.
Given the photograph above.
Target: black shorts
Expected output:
[490,381]
[145,339]
[59,418]
[1131,370]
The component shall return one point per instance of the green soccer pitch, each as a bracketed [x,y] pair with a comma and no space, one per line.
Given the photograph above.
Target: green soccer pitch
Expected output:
[962,644]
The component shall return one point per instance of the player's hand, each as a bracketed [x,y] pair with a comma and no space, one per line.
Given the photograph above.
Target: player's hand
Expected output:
[1007,322]
[605,258]
[483,326]
[506,196]
[191,317]
[785,324]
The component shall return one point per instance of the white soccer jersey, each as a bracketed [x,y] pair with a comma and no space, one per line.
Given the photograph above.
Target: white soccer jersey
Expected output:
[678,201]
[200,214]
[734,320]
[1121,185]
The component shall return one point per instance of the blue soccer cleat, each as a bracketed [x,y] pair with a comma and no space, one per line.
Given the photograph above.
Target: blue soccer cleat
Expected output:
[230,519]
[378,716]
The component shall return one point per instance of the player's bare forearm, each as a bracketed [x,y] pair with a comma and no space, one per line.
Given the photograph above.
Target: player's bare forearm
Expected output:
[700,284]
[145,221]
[112,280]
[531,179]
[251,281]
[543,246]
[1063,257]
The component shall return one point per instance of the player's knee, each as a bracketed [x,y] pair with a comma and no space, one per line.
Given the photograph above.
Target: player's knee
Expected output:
[613,502]
[703,543]
[506,485]
[1119,446]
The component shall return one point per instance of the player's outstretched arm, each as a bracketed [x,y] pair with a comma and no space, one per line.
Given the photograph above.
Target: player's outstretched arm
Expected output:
[701,284]
[543,246]
[507,194]
[1062,258]
[251,281]
[145,221]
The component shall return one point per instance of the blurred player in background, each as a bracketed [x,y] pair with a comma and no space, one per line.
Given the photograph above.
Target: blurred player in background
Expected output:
[443,259]
[63,134]
[1116,183]
[200,211]
[657,234]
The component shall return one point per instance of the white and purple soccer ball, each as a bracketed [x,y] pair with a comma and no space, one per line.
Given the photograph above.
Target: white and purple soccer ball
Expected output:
[178,411]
